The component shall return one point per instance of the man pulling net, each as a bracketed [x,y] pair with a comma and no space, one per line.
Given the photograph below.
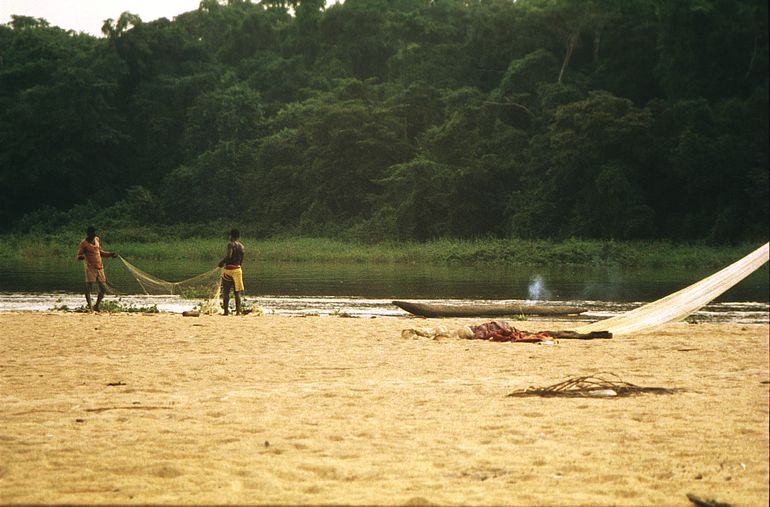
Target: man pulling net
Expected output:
[90,251]
[211,284]
[232,273]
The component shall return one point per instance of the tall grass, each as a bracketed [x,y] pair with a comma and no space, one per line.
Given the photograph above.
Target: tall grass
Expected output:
[137,245]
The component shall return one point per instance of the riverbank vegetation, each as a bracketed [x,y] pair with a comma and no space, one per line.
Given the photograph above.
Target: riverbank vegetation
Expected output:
[487,251]
[382,121]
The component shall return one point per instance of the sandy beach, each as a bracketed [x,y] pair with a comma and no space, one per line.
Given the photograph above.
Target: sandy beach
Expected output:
[164,409]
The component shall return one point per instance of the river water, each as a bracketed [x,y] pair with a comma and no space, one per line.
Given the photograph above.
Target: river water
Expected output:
[366,290]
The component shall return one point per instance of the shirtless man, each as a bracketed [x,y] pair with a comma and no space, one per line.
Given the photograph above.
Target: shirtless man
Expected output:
[91,251]
[232,275]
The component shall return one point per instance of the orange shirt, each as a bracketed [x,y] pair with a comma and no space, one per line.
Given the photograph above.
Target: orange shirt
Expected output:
[93,252]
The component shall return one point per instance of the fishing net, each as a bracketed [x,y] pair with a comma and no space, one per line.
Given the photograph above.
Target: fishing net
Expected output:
[682,303]
[205,286]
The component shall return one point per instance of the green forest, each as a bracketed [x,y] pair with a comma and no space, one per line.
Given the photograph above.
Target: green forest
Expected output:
[395,120]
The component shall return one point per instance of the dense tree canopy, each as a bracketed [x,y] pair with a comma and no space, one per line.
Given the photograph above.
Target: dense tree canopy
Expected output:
[397,119]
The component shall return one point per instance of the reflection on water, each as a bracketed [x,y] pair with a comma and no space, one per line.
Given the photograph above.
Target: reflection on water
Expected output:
[366,289]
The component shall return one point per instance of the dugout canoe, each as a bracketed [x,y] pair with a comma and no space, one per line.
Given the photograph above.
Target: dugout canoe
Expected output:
[485,310]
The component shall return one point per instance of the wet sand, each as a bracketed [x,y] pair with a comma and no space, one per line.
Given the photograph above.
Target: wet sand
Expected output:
[329,410]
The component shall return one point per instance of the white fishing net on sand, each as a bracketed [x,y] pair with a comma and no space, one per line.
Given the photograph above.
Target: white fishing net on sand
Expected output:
[205,286]
[682,303]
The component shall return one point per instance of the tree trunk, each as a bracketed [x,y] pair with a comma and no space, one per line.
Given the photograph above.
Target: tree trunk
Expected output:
[572,43]
[597,40]
[751,61]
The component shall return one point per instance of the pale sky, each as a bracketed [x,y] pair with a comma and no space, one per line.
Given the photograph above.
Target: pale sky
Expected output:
[89,15]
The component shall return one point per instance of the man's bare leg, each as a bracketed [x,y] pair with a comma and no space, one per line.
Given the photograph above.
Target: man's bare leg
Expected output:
[237,302]
[100,296]
[88,297]
[226,300]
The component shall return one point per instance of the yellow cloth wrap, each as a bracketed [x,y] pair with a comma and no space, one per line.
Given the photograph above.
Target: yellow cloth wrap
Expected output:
[235,276]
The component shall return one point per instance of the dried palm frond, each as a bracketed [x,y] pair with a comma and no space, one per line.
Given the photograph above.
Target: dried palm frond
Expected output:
[603,385]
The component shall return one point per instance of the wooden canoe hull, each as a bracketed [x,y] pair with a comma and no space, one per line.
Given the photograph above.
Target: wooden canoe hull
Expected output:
[484,310]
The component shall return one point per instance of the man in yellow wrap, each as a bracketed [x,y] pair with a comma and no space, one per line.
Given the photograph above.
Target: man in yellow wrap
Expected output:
[232,274]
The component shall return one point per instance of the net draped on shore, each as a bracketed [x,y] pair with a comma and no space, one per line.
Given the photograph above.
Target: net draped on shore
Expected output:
[682,303]
[206,285]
